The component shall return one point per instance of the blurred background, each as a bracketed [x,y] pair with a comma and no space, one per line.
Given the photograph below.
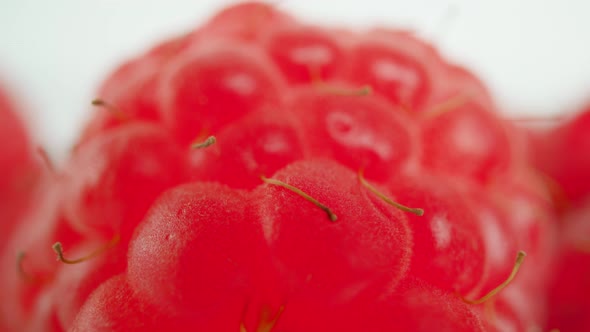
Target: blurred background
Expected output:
[533,54]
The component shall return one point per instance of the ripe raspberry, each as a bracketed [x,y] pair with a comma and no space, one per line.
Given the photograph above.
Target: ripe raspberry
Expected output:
[27,257]
[466,140]
[112,179]
[114,306]
[19,170]
[359,132]
[207,87]
[571,142]
[449,249]
[569,304]
[367,245]
[255,175]
[260,143]
[190,229]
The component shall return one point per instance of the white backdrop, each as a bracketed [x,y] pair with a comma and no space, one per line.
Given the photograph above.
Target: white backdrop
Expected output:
[534,54]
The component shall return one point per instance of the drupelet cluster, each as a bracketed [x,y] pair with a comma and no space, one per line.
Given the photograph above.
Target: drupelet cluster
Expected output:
[263,174]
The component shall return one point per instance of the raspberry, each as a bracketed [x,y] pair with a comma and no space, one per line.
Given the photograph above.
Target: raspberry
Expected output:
[261,174]
[75,282]
[366,246]
[260,143]
[390,70]
[211,85]
[115,307]
[466,140]
[569,305]
[190,229]
[27,257]
[570,170]
[113,179]
[449,249]
[305,54]
[358,131]
[19,170]
[248,21]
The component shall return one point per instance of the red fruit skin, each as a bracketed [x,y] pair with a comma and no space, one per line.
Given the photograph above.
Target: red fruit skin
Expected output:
[571,142]
[42,316]
[248,21]
[448,243]
[305,54]
[465,140]
[74,283]
[115,306]
[527,203]
[392,69]
[19,169]
[209,258]
[418,306]
[531,219]
[500,247]
[367,246]
[24,281]
[191,229]
[445,81]
[112,180]
[413,306]
[568,292]
[131,90]
[258,144]
[358,131]
[211,85]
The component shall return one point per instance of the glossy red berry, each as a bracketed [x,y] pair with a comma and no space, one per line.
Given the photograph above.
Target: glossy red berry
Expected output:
[260,143]
[113,179]
[449,249]
[390,69]
[465,140]
[207,87]
[358,131]
[571,142]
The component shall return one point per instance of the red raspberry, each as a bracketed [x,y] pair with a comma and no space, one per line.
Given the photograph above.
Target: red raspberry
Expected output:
[73,283]
[207,87]
[466,140]
[115,306]
[306,54]
[449,249]
[571,142]
[279,229]
[27,258]
[112,180]
[569,304]
[260,143]
[248,21]
[357,131]
[391,69]
[19,169]
[367,245]
[191,229]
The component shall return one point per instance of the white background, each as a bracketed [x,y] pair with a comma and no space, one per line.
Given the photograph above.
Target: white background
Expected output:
[533,54]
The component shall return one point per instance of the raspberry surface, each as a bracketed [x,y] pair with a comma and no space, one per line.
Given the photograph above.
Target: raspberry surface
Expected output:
[260,173]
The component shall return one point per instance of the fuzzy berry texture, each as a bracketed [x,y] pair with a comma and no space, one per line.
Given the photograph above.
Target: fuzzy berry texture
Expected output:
[259,173]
